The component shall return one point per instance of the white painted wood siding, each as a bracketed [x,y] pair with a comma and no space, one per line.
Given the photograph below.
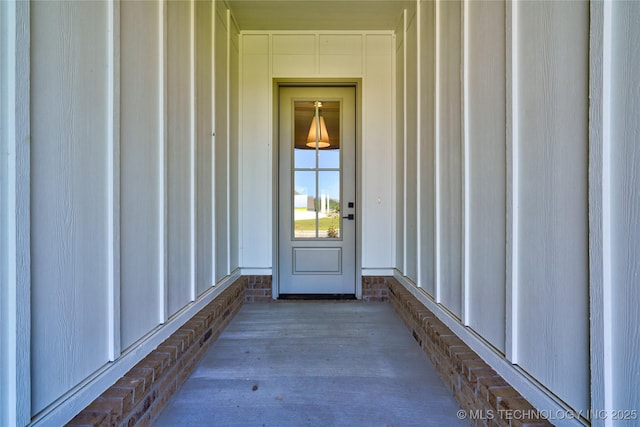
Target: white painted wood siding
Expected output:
[485,85]
[449,147]
[400,184]
[121,189]
[316,55]
[552,213]
[15,275]
[378,191]
[141,148]
[204,145]
[179,146]
[69,193]
[411,148]
[427,100]
[234,147]
[221,193]
[624,191]
[255,153]
[503,96]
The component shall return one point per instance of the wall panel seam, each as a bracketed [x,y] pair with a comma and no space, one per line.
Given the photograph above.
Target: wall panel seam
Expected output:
[113,179]
[466,199]
[405,179]
[511,338]
[192,151]
[437,143]
[606,220]
[213,140]
[163,187]
[228,138]
[418,145]
[15,373]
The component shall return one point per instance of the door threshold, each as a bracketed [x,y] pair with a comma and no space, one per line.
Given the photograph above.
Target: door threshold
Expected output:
[317,297]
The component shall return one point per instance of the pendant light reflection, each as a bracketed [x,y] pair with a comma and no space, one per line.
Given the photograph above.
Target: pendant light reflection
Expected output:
[319,134]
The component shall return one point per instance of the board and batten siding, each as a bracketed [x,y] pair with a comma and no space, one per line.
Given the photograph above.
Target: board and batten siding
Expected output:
[521,207]
[69,196]
[551,105]
[122,186]
[400,148]
[485,170]
[412,187]
[316,55]
[449,152]
[141,168]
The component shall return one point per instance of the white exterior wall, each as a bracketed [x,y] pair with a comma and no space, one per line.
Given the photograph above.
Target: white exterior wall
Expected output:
[624,191]
[89,192]
[313,55]
[119,173]
[529,152]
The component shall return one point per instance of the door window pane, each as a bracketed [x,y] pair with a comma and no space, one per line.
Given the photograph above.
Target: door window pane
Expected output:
[329,206]
[304,204]
[316,169]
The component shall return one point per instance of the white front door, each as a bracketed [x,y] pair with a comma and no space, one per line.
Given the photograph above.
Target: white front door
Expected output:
[316,209]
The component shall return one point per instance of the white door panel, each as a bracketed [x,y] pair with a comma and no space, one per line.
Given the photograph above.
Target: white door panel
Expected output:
[316,242]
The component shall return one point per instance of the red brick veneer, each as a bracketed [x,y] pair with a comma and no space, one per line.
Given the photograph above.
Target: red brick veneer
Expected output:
[258,289]
[375,289]
[488,400]
[138,398]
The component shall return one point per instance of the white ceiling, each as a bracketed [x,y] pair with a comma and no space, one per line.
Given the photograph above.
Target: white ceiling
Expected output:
[359,15]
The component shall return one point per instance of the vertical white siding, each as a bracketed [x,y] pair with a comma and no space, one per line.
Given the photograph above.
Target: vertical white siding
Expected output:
[221,143]
[234,148]
[427,99]
[317,55]
[255,190]
[15,387]
[411,147]
[486,166]
[552,109]
[503,158]
[179,153]
[141,144]
[449,148]
[121,184]
[624,148]
[377,177]
[399,124]
[204,146]
[69,196]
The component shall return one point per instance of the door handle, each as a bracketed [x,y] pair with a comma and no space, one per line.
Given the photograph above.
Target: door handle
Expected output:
[350,217]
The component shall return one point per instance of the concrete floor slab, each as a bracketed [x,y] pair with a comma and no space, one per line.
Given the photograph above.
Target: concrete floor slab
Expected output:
[313,364]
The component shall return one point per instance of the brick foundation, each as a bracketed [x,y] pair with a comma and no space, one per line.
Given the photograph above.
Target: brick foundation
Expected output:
[375,289]
[258,289]
[485,396]
[139,397]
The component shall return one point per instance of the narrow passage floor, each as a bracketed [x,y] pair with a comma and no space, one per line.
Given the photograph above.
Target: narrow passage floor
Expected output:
[314,364]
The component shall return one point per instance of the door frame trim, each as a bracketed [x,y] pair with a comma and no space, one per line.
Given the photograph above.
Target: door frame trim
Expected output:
[275,111]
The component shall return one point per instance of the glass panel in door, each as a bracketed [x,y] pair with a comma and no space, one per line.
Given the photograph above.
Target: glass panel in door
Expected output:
[316,170]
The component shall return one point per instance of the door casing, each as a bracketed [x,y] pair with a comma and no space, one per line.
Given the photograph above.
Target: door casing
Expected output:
[277,84]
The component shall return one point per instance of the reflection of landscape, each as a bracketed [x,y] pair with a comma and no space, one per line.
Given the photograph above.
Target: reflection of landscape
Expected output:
[316,210]
[308,210]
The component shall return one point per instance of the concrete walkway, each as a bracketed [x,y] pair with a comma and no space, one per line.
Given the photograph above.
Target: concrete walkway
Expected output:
[313,364]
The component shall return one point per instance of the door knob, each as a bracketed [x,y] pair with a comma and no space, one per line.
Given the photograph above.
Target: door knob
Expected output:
[350,217]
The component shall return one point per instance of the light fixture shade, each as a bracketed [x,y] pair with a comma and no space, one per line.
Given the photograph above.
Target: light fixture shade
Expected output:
[323,136]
